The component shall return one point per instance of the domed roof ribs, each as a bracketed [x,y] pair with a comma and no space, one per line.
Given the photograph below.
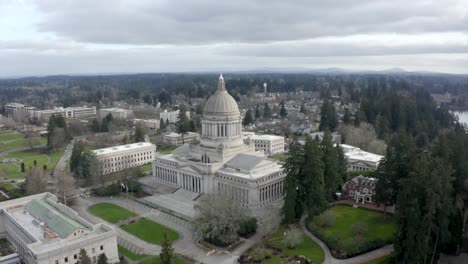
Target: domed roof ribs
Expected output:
[221,85]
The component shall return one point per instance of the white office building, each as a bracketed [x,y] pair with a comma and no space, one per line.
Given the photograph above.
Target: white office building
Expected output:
[360,160]
[43,231]
[118,113]
[122,157]
[176,139]
[44,115]
[80,112]
[16,110]
[220,162]
[151,124]
[269,144]
[172,116]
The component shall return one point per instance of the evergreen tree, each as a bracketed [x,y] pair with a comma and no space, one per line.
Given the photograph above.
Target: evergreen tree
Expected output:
[292,210]
[328,117]
[183,125]
[75,157]
[102,259]
[167,252]
[257,112]
[266,111]
[347,117]
[140,133]
[95,126]
[303,109]
[162,125]
[248,119]
[283,112]
[83,257]
[167,123]
[312,191]
[331,175]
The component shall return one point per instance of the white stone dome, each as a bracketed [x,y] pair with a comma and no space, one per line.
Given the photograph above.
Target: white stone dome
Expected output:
[221,103]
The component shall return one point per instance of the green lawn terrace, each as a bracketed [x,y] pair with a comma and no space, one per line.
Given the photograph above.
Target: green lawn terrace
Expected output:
[140,227]
[350,231]
[142,258]
[274,251]
[10,139]
[13,170]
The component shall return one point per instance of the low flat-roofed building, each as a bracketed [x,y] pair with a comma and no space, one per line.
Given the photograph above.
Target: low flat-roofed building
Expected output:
[122,157]
[360,160]
[18,110]
[269,144]
[172,116]
[44,231]
[176,139]
[80,112]
[44,115]
[152,124]
[118,113]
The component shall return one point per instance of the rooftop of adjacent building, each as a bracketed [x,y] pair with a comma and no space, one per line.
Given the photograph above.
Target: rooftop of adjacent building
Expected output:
[359,154]
[266,137]
[176,135]
[15,105]
[48,222]
[116,109]
[123,148]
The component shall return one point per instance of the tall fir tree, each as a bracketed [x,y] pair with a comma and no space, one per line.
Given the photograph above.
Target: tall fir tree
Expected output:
[83,257]
[312,191]
[257,112]
[266,111]
[328,117]
[283,112]
[102,259]
[292,210]
[167,252]
[248,119]
[331,174]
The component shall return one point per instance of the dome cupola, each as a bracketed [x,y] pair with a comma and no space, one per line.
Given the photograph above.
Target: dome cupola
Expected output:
[221,103]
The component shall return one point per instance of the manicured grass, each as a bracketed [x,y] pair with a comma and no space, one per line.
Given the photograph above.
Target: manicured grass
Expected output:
[308,248]
[147,167]
[381,230]
[11,139]
[28,157]
[157,260]
[167,150]
[110,212]
[150,231]
[273,260]
[388,259]
[127,253]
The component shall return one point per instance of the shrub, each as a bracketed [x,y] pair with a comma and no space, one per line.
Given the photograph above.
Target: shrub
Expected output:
[359,229]
[327,219]
[293,237]
[113,189]
[247,227]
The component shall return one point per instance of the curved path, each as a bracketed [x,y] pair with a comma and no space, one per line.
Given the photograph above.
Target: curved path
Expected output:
[7,152]
[329,259]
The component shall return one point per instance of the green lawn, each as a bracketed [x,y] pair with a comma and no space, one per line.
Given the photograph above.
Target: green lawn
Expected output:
[307,248]
[127,253]
[157,260]
[110,212]
[12,170]
[167,150]
[388,259]
[147,167]
[150,231]
[340,235]
[11,139]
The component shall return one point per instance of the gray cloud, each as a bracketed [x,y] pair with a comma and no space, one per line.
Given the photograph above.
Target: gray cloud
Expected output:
[205,21]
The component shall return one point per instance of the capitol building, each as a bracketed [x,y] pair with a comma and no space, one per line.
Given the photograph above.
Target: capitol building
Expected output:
[220,161]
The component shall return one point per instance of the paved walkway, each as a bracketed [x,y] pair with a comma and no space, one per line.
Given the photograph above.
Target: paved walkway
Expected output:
[7,152]
[329,259]
[185,245]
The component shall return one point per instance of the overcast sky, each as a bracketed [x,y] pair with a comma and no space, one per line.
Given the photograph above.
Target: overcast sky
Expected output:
[95,36]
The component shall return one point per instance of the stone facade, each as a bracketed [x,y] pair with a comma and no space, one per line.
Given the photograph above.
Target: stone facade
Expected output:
[221,162]
[45,241]
[122,157]
[361,189]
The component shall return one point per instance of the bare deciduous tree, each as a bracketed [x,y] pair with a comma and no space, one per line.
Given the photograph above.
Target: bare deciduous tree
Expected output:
[65,188]
[360,136]
[36,181]
[219,218]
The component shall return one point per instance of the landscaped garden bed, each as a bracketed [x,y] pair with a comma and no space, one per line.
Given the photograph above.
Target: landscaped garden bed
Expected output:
[276,249]
[349,231]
